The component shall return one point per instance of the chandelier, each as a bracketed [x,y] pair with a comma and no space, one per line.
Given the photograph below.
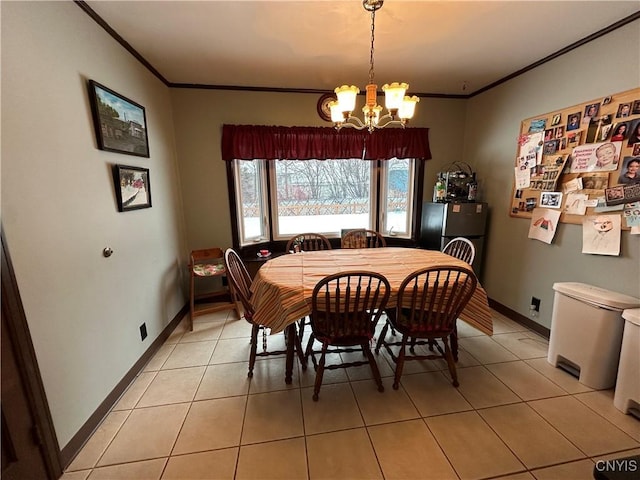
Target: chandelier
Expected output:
[400,108]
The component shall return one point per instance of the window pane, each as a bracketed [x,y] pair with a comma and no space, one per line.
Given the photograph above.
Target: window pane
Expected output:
[396,196]
[322,196]
[250,188]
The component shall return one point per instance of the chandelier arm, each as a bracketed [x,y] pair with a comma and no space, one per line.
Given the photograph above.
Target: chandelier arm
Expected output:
[354,122]
[340,126]
[387,120]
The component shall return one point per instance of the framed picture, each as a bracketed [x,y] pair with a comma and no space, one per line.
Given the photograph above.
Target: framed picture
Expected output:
[133,190]
[120,124]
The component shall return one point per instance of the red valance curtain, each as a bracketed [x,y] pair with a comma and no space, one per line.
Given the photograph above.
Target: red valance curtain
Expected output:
[248,142]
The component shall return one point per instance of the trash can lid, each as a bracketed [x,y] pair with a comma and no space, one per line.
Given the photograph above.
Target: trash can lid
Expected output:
[597,295]
[632,315]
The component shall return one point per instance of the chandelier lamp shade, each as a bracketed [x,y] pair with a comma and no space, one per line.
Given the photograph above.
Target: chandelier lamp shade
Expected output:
[400,107]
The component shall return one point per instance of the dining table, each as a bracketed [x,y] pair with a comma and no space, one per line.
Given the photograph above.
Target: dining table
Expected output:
[282,288]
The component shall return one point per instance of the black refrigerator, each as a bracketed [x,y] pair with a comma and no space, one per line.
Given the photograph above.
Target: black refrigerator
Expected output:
[441,222]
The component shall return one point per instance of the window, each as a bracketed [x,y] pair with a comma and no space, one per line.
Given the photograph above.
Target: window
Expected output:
[323,196]
[397,197]
[251,200]
[315,189]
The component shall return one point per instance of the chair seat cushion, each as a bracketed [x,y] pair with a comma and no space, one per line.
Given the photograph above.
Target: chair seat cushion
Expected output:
[208,269]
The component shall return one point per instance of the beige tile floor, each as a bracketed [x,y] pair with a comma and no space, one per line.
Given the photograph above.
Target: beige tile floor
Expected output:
[193,414]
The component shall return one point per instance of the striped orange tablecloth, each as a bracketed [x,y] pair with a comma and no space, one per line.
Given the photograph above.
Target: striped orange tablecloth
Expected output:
[282,288]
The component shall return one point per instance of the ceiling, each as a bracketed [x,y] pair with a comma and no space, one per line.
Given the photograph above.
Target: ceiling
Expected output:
[444,47]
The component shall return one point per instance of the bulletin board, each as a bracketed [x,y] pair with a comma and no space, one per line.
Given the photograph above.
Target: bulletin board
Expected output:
[560,163]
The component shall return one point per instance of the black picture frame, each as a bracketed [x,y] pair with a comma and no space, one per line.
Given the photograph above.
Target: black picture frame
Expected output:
[120,123]
[132,186]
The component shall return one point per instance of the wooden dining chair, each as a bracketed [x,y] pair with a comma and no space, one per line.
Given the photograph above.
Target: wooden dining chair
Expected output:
[345,308]
[241,282]
[461,248]
[307,242]
[430,300]
[363,238]
[203,264]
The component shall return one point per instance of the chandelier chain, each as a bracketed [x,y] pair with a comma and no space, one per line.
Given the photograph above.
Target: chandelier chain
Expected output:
[373,28]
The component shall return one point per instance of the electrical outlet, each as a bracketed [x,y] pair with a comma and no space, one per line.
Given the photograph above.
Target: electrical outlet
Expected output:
[143,331]
[535,303]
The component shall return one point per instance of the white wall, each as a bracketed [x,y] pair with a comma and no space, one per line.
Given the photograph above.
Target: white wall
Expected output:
[516,267]
[59,209]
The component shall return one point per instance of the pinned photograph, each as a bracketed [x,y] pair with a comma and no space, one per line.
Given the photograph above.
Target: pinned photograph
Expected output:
[594,181]
[530,204]
[630,171]
[601,234]
[555,120]
[537,125]
[605,131]
[624,110]
[548,135]
[573,121]
[634,134]
[551,147]
[635,108]
[574,137]
[590,111]
[599,129]
[620,132]
[551,199]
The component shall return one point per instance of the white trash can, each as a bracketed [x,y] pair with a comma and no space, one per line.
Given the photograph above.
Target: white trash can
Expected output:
[586,332]
[627,395]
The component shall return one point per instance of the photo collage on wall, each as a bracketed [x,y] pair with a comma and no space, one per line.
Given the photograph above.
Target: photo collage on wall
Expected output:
[581,165]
